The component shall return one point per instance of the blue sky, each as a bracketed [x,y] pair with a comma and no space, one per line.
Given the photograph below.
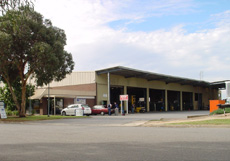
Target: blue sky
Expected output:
[174,37]
[197,17]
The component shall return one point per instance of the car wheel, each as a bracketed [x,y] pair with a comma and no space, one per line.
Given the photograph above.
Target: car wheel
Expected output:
[102,113]
[63,113]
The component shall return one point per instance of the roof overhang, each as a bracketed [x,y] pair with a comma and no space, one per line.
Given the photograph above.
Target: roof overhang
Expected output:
[44,92]
[220,84]
[150,76]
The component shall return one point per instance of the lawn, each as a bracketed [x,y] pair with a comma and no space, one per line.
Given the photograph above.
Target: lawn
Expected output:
[205,122]
[40,117]
[220,111]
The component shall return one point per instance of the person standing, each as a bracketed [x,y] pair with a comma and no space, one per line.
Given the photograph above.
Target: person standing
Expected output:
[109,109]
[133,108]
[116,108]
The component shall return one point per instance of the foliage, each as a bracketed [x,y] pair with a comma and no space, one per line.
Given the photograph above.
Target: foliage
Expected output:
[205,122]
[31,46]
[11,113]
[6,95]
[6,5]
[220,111]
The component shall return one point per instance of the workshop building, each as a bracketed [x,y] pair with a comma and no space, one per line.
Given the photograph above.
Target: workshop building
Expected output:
[151,91]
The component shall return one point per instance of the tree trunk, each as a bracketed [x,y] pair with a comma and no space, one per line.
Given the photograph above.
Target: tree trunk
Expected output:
[22,112]
[13,94]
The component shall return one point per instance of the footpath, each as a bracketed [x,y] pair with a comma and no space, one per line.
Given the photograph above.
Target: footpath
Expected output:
[173,122]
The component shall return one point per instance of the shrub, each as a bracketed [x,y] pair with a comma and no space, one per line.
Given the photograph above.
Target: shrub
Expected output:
[220,111]
[9,113]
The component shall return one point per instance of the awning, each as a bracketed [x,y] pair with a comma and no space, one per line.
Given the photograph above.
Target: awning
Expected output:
[39,93]
[43,92]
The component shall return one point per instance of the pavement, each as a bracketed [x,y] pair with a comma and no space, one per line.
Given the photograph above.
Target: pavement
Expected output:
[120,138]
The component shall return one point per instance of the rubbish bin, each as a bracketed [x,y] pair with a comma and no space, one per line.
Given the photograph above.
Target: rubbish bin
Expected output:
[116,111]
[79,112]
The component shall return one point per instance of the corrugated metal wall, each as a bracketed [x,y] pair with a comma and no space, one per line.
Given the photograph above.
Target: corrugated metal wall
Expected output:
[76,78]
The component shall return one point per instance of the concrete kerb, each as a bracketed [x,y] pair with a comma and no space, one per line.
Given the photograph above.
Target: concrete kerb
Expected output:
[164,122]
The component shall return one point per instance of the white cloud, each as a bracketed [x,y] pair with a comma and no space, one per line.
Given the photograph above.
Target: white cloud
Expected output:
[95,45]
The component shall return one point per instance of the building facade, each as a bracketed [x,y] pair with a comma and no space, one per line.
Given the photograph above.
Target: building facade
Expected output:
[152,91]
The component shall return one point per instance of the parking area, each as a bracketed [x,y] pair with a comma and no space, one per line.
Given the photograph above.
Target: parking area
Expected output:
[106,120]
[95,138]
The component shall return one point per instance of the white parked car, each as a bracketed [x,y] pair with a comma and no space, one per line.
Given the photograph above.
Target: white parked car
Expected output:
[71,109]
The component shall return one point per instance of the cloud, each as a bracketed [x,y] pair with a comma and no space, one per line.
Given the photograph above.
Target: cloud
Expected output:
[95,45]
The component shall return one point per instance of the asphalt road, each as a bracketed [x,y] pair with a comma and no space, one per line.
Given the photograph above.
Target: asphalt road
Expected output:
[105,138]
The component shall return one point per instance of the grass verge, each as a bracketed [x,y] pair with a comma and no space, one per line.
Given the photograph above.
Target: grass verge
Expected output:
[205,122]
[37,118]
[220,111]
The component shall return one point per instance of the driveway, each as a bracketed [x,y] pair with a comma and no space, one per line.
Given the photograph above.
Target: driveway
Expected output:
[106,120]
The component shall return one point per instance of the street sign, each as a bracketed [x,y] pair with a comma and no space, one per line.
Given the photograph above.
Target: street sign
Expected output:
[2,110]
[124,97]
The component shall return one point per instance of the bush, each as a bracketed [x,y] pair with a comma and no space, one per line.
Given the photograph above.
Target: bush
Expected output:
[220,111]
[11,113]
[15,113]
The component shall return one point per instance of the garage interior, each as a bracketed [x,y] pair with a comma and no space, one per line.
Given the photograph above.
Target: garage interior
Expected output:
[138,97]
[157,100]
[173,100]
[187,100]
[115,92]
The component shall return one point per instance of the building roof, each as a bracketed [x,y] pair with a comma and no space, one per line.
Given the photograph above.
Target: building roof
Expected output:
[150,76]
[219,84]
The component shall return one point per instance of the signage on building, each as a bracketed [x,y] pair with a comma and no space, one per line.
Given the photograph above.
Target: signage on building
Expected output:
[80,101]
[124,97]
[2,110]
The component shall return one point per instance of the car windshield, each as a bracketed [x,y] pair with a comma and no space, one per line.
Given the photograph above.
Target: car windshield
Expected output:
[85,106]
[99,107]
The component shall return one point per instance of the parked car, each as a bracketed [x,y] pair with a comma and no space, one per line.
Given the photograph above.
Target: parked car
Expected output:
[71,109]
[100,109]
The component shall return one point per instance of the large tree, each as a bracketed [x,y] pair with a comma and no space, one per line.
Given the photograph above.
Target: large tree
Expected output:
[6,95]
[6,5]
[30,46]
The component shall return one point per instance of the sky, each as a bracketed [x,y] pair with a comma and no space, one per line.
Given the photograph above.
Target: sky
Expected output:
[185,38]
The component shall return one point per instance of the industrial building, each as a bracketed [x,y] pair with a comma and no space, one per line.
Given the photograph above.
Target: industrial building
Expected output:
[153,91]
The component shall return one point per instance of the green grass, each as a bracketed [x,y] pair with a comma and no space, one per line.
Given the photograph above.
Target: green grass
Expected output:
[205,122]
[220,111]
[37,118]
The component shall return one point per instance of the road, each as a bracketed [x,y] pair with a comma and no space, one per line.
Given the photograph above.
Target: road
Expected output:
[105,138]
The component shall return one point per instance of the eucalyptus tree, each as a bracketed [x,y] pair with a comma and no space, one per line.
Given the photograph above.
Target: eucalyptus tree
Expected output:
[30,46]
[6,5]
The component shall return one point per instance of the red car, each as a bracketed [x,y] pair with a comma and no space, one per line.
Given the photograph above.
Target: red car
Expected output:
[100,109]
